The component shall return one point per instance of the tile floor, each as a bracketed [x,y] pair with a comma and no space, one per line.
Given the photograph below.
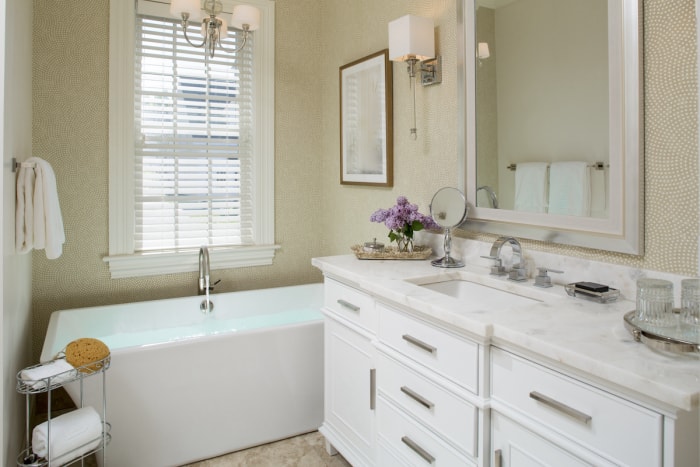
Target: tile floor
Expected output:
[301,451]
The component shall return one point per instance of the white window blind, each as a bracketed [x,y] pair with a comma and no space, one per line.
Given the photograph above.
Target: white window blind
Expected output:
[206,141]
[193,179]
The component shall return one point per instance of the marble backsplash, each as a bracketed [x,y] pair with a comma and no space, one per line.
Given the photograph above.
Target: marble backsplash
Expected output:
[574,269]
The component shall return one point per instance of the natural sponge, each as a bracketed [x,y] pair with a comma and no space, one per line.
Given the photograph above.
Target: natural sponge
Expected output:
[81,352]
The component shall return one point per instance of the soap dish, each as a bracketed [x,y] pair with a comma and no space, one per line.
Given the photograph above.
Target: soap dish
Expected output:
[603,297]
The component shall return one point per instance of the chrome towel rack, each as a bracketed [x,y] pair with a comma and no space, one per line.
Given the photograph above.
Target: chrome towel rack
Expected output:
[595,166]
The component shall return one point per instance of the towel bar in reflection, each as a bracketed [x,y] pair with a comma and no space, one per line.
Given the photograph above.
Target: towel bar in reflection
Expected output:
[596,166]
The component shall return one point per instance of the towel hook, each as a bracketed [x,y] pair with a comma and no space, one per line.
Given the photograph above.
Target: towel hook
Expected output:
[16,165]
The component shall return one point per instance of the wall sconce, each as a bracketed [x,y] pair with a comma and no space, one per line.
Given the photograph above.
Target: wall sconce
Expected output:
[412,40]
[482,51]
[214,25]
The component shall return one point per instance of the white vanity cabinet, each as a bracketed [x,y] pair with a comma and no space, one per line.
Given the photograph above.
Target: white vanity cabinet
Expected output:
[541,416]
[349,396]
[415,387]
[428,409]
[398,390]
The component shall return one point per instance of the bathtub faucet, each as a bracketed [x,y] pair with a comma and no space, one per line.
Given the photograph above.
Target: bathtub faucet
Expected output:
[204,276]
[204,279]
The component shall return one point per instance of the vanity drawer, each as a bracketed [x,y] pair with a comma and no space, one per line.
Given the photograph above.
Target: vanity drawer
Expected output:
[607,424]
[350,303]
[454,418]
[402,441]
[452,357]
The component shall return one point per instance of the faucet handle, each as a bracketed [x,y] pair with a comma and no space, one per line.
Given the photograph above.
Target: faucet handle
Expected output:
[542,279]
[518,273]
[497,268]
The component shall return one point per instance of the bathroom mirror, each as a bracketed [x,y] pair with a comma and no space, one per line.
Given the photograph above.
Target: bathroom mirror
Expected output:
[553,87]
[448,209]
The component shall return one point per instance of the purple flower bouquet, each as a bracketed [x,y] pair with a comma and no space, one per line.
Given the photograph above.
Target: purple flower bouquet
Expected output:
[402,220]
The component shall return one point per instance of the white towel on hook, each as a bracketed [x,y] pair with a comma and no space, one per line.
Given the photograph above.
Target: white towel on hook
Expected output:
[24,214]
[39,223]
[531,187]
[569,189]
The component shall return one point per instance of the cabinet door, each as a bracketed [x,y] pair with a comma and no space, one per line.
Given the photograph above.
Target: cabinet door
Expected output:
[515,446]
[349,393]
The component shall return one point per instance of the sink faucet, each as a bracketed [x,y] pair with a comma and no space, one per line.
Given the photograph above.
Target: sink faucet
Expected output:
[204,279]
[518,271]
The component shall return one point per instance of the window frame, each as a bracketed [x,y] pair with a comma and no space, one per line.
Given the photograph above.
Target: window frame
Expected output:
[122,260]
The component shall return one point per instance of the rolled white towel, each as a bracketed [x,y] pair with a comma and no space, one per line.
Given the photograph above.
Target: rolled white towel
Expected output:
[58,370]
[72,435]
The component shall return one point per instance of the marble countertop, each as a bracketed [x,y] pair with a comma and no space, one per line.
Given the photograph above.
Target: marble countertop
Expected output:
[585,337]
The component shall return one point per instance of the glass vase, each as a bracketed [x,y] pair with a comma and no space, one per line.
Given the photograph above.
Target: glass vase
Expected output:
[404,244]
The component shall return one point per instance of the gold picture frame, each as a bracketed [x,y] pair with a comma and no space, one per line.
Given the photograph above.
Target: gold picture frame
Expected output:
[366,121]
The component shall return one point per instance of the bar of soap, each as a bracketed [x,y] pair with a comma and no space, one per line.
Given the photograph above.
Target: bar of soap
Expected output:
[592,287]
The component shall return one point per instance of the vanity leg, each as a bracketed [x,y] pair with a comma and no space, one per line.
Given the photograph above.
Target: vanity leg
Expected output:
[330,449]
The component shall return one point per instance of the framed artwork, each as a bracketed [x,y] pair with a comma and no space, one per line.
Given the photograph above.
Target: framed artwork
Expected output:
[366,121]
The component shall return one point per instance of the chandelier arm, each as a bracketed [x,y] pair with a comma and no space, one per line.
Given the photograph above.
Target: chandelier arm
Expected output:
[184,29]
[245,40]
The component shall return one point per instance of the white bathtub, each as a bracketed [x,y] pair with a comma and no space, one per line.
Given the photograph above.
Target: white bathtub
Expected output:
[185,386]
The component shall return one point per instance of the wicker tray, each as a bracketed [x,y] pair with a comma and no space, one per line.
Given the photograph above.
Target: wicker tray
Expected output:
[419,252]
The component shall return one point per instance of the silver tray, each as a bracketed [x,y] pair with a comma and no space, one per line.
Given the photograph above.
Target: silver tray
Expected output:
[677,339]
[602,297]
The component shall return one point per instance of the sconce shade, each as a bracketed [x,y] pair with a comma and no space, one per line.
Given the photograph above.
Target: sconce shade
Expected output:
[177,7]
[411,37]
[245,14]
[483,50]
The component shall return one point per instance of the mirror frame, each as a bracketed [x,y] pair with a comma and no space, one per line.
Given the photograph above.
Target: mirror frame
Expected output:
[623,230]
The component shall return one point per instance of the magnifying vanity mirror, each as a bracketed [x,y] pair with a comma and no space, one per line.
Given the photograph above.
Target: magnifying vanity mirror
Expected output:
[553,132]
[448,209]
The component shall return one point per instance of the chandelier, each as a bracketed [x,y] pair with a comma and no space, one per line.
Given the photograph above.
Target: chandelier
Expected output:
[215,23]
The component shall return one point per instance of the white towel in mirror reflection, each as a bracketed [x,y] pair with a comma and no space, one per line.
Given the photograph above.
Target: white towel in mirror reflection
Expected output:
[531,187]
[569,188]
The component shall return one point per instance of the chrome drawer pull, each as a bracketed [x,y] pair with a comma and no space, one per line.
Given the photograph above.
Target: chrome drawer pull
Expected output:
[372,388]
[419,343]
[497,458]
[418,450]
[348,305]
[417,397]
[571,412]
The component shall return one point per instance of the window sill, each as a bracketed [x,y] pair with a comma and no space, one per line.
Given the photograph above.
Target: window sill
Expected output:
[172,262]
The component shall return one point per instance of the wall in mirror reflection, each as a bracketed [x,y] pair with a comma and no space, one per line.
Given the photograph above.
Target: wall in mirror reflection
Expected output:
[542,96]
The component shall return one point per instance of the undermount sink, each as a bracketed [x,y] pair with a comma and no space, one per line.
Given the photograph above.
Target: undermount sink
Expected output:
[484,293]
